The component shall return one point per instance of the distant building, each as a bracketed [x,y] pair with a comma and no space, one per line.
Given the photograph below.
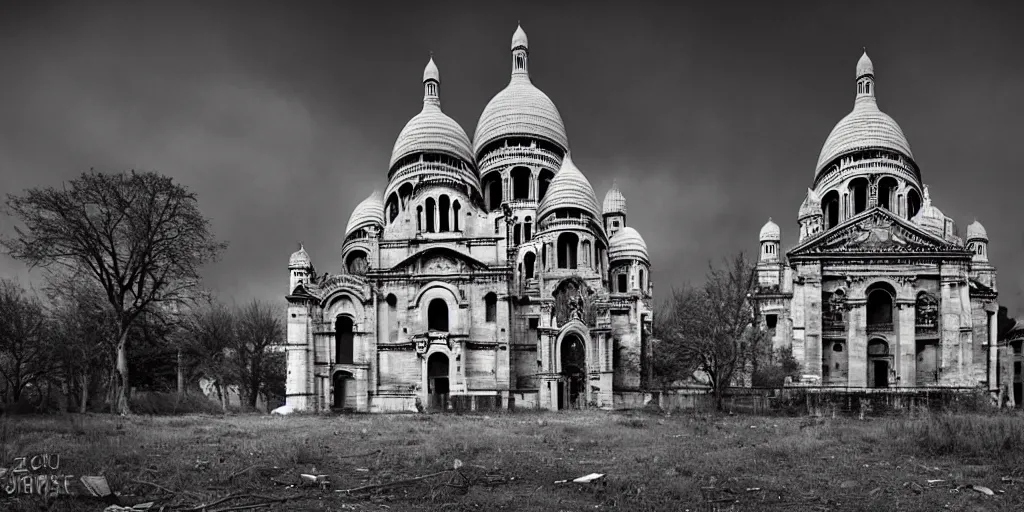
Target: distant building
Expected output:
[880,290]
[486,271]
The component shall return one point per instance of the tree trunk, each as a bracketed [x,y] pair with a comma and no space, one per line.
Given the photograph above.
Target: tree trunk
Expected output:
[181,376]
[122,372]
[85,391]
[220,395]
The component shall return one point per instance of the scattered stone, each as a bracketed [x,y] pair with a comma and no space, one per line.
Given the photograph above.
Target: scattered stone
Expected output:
[849,484]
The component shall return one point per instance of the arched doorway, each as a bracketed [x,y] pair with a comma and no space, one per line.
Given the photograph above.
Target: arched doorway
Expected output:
[437,381]
[343,385]
[572,386]
[343,340]
[879,363]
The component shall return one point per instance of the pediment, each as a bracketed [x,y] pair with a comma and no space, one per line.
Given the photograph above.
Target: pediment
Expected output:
[439,260]
[875,231]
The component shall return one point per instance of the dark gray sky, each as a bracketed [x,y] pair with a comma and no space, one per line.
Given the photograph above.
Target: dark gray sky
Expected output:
[711,115]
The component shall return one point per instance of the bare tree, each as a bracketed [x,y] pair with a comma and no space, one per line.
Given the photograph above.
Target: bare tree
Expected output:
[713,327]
[84,329]
[258,330]
[24,344]
[205,345]
[139,235]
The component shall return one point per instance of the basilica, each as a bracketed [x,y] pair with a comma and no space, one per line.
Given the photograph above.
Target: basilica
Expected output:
[486,274]
[880,289]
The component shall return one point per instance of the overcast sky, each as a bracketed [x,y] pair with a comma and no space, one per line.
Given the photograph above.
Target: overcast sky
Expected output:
[282,115]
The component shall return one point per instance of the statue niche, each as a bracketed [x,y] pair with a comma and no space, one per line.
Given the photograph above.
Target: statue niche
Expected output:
[573,301]
[833,308]
[926,313]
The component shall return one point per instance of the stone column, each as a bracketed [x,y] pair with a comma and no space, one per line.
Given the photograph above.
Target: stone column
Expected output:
[857,342]
[949,332]
[906,343]
[993,351]
[813,326]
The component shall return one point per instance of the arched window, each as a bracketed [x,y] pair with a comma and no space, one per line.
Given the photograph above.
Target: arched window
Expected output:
[543,180]
[492,191]
[585,253]
[392,207]
[622,282]
[343,340]
[913,203]
[443,207]
[517,230]
[404,193]
[642,284]
[528,261]
[830,205]
[430,214]
[491,307]
[859,189]
[527,235]
[520,183]
[867,88]
[419,219]
[544,255]
[568,244]
[879,308]
[437,315]
[392,302]
[887,193]
[456,207]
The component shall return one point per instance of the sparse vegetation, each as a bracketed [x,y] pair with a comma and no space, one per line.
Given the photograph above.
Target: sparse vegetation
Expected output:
[652,461]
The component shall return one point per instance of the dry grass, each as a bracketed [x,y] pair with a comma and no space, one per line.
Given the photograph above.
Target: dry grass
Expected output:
[652,462]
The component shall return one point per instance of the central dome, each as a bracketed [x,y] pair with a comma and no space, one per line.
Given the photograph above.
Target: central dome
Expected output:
[865,127]
[432,131]
[569,189]
[520,109]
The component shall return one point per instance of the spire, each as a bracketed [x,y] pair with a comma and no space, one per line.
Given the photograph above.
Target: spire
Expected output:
[431,83]
[865,77]
[520,53]
[927,197]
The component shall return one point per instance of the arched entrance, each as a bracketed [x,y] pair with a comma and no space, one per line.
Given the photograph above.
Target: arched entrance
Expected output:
[437,381]
[879,363]
[572,386]
[344,391]
[344,340]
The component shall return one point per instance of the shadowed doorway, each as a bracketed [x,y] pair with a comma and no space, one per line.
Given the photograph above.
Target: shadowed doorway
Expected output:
[573,381]
[437,381]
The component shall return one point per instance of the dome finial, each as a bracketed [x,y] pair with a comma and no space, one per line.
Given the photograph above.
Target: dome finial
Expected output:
[431,83]
[927,196]
[520,50]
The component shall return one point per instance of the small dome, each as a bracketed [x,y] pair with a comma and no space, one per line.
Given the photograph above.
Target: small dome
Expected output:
[811,205]
[299,258]
[930,216]
[975,231]
[864,127]
[771,232]
[627,244]
[519,38]
[569,189]
[614,201]
[864,66]
[369,212]
[520,110]
[432,131]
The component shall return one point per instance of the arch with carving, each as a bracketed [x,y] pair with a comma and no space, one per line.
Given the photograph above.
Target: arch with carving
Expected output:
[577,328]
[342,302]
[437,288]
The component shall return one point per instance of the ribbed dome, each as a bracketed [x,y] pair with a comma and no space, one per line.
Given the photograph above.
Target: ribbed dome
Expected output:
[975,231]
[614,201]
[432,131]
[569,189]
[771,232]
[627,244]
[811,205]
[369,212]
[520,110]
[299,258]
[863,128]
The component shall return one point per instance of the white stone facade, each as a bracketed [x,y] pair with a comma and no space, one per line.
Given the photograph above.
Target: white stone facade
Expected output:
[880,290]
[486,269]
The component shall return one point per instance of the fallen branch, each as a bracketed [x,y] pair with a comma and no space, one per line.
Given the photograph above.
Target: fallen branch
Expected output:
[158,486]
[268,499]
[391,484]
[236,473]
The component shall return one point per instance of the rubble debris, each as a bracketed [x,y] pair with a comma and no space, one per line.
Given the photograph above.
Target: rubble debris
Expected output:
[586,479]
[284,410]
[140,506]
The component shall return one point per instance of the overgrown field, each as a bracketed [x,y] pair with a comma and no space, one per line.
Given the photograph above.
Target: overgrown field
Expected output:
[512,461]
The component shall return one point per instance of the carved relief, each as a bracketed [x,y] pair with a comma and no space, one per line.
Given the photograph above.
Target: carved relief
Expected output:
[442,265]
[926,314]
[876,233]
